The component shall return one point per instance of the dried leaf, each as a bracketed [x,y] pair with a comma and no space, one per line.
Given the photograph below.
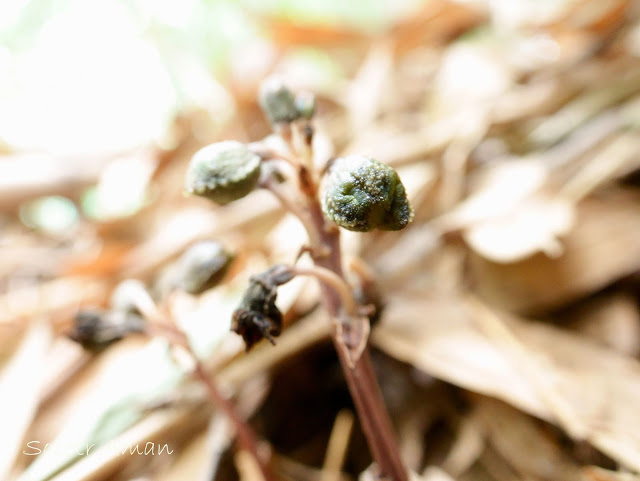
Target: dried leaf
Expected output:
[512,215]
[21,382]
[538,368]
[603,246]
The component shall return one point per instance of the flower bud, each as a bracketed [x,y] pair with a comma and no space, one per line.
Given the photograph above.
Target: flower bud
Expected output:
[257,316]
[201,267]
[96,329]
[361,194]
[223,172]
[305,105]
[277,101]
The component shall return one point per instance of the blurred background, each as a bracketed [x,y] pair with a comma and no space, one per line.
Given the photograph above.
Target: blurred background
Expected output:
[508,346]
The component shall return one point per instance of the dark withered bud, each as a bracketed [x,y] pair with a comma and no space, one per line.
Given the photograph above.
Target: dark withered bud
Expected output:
[257,316]
[201,267]
[96,329]
[223,172]
[277,101]
[306,105]
[361,194]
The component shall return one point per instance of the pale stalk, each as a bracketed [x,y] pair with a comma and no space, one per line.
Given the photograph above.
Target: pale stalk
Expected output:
[247,439]
[360,376]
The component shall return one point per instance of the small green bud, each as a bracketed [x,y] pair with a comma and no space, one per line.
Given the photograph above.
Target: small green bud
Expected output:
[223,172]
[361,194]
[201,267]
[277,101]
[305,105]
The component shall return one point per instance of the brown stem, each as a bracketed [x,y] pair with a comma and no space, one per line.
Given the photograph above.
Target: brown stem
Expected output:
[290,204]
[360,376]
[246,438]
[333,280]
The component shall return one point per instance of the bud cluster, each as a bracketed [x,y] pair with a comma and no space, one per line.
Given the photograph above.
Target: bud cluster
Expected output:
[357,193]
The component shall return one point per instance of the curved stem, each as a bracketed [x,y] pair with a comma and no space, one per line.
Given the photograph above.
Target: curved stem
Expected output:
[301,142]
[289,204]
[337,283]
[360,376]
[267,153]
[247,440]
[271,156]
[246,437]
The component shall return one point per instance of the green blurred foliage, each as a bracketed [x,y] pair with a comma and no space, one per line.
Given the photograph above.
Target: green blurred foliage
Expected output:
[208,28]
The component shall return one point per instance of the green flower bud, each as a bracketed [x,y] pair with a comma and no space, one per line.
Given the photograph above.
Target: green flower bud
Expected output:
[277,101]
[223,172]
[361,194]
[306,105]
[201,267]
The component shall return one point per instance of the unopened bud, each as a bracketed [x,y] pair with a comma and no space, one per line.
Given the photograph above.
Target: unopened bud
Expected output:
[361,194]
[277,101]
[223,172]
[96,329]
[306,105]
[201,267]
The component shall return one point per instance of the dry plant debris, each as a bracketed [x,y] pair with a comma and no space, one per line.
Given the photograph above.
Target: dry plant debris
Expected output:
[509,334]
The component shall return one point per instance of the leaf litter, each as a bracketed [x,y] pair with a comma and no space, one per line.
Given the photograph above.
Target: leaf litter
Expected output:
[508,346]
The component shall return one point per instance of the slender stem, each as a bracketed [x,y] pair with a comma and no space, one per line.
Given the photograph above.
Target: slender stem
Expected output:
[246,436]
[289,204]
[302,143]
[333,280]
[268,154]
[247,439]
[360,376]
